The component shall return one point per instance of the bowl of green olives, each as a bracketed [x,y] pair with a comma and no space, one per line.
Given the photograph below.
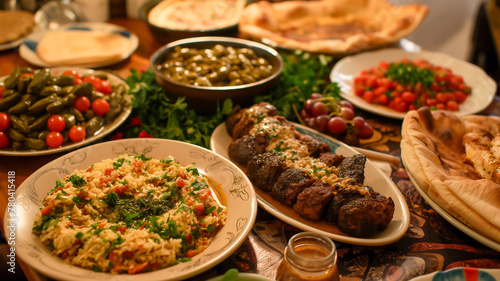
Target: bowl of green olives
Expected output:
[208,70]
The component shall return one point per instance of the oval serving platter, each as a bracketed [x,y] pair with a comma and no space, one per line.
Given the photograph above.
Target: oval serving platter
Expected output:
[374,177]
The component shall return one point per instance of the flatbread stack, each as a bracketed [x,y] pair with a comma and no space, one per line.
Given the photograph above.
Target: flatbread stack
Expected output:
[15,24]
[81,47]
[434,154]
[330,26]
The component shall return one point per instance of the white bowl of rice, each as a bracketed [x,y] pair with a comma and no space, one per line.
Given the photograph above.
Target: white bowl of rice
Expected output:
[133,209]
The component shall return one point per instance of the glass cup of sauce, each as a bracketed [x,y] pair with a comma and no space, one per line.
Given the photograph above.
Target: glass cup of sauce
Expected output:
[309,257]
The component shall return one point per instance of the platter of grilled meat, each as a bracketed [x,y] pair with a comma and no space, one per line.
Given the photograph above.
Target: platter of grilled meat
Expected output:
[310,180]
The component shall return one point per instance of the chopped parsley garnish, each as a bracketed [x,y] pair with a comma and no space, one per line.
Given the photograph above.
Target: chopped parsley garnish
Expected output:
[76,180]
[118,163]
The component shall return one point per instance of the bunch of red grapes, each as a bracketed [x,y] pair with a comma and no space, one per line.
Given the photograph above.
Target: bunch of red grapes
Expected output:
[336,118]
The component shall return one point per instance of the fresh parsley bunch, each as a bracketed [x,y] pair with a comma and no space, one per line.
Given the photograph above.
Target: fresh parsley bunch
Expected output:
[162,117]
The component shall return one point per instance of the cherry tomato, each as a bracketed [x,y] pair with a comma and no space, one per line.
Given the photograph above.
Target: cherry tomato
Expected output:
[409,97]
[100,85]
[383,99]
[74,73]
[2,89]
[54,139]
[4,121]
[77,133]
[100,106]
[368,96]
[452,105]
[56,123]
[4,140]
[82,103]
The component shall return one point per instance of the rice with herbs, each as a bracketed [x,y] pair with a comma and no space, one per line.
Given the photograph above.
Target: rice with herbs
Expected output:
[130,214]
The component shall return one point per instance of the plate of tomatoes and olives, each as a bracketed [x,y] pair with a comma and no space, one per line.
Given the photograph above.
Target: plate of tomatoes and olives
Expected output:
[391,82]
[52,110]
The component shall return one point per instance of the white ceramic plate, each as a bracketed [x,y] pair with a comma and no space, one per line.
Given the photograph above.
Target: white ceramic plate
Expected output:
[237,189]
[380,182]
[461,274]
[244,277]
[27,50]
[346,69]
[447,216]
[114,80]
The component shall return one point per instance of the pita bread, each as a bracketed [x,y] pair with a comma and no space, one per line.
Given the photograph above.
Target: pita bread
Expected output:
[433,155]
[79,47]
[15,24]
[330,26]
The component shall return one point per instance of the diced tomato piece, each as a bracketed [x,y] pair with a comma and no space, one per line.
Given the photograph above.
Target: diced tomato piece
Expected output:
[199,209]
[113,256]
[116,266]
[103,223]
[368,96]
[47,210]
[189,238]
[204,194]
[380,90]
[359,91]
[431,102]
[371,81]
[409,97]
[137,268]
[460,97]
[180,182]
[191,253]
[452,105]
[400,105]
[383,100]
[128,254]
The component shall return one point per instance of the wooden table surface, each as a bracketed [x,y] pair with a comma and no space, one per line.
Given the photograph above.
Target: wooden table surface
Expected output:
[431,244]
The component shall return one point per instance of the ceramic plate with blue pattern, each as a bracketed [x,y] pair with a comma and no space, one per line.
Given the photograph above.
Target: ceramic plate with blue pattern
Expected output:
[462,274]
[27,49]
[374,177]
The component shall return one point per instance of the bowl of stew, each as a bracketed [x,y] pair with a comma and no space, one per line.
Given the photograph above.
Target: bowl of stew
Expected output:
[208,70]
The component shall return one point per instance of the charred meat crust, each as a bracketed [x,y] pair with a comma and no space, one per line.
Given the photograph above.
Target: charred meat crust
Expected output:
[353,167]
[238,124]
[264,170]
[289,184]
[359,215]
[312,201]
[245,148]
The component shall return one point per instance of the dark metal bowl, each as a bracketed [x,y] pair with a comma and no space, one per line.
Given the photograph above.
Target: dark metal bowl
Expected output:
[206,99]
[166,35]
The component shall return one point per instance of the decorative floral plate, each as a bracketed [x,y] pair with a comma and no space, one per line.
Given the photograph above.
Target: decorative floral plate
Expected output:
[236,190]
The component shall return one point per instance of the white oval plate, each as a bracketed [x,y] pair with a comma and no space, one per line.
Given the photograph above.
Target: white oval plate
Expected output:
[374,177]
[447,216]
[114,80]
[346,69]
[236,187]
[461,274]
[27,50]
